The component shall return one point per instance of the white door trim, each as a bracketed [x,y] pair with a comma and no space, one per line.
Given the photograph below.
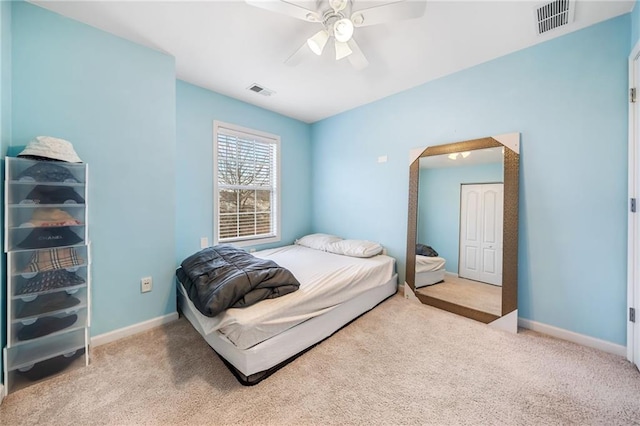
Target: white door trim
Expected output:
[633,259]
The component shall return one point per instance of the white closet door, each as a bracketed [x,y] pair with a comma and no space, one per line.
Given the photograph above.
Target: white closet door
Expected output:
[481,232]
[491,255]
[470,228]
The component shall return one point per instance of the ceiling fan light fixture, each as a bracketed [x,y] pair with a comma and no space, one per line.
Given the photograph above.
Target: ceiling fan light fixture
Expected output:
[342,50]
[343,30]
[357,19]
[466,154]
[338,5]
[318,41]
[453,156]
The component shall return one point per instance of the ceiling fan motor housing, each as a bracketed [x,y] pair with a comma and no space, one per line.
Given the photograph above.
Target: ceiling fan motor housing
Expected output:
[337,22]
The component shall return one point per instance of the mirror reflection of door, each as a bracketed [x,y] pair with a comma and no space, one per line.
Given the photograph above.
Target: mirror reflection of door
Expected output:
[481,232]
[460,215]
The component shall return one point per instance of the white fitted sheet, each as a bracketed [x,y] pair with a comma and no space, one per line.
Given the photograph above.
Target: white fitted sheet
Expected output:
[326,281]
[428,263]
[429,277]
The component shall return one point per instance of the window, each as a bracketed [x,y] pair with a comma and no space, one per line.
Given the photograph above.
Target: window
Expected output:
[246,185]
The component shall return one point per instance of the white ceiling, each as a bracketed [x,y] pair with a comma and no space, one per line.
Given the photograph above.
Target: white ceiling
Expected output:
[226,46]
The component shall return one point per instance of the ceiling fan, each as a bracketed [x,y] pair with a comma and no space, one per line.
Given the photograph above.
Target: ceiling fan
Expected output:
[339,19]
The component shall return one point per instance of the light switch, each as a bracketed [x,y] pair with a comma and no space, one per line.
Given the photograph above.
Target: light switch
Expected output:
[204,242]
[382,159]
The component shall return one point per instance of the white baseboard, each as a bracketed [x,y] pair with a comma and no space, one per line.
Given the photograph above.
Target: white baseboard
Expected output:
[1,393]
[580,339]
[114,335]
[550,330]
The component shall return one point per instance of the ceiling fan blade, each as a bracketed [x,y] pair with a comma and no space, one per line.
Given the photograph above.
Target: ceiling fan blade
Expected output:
[357,58]
[286,8]
[399,10]
[342,50]
[299,55]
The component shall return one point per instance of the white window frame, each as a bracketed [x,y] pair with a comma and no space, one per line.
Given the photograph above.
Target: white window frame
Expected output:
[275,208]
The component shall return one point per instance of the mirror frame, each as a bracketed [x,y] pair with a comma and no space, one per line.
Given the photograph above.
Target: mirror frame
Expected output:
[511,172]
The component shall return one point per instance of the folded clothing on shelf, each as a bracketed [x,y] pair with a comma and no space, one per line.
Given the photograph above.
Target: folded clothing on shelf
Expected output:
[50,366]
[47,171]
[50,237]
[45,194]
[52,217]
[46,325]
[49,280]
[49,260]
[47,303]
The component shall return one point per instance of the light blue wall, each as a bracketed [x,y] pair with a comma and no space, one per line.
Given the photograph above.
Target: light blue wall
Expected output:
[5,75]
[115,101]
[439,205]
[5,137]
[635,24]
[568,98]
[197,108]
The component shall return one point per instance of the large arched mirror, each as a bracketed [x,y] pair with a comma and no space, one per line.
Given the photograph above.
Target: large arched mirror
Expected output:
[462,238]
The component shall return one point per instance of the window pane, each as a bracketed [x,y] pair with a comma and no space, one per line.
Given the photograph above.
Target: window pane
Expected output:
[264,164]
[263,201]
[247,225]
[227,163]
[247,200]
[228,226]
[262,174]
[228,201]
[263,223]
[246,162]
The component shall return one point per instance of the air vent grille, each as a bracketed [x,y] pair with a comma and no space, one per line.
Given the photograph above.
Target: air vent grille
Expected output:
[553,15]
[260,89]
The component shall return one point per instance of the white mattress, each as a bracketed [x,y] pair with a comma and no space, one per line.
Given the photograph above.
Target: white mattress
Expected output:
[428,263]
[326,281]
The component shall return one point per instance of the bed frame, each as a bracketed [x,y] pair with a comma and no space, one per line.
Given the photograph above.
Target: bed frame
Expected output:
[252,365]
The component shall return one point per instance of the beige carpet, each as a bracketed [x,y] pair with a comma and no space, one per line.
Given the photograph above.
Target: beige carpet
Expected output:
[402,363]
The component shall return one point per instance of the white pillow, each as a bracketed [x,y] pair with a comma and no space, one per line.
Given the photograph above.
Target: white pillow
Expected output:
[318,241]
[355,248]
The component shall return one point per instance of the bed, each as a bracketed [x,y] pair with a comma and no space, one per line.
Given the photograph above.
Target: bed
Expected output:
[429,270]
[335,289]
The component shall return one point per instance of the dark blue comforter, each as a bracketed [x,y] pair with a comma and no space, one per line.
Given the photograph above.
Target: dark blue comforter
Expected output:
[223,276]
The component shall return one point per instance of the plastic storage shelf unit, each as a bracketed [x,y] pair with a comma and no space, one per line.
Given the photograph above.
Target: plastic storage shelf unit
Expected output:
[48,270]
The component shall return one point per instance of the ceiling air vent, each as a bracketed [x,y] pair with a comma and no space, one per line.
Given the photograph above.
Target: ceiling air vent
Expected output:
[555,14]
[260,89]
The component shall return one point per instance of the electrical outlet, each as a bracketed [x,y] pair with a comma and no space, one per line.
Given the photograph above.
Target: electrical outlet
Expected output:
[146,284]
[204,242]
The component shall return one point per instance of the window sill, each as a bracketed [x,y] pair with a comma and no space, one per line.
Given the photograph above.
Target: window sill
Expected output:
[252,242]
